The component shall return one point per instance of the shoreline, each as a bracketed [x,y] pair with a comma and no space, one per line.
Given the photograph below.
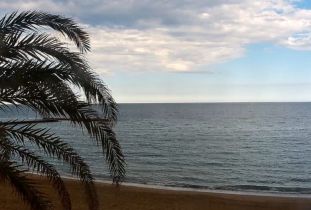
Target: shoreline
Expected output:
[185,189]
[189,189]
[145,197]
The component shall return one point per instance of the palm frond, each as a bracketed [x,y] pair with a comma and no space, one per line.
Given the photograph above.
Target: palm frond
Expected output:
[64,104]
[31,20]
[26,188]
[54,147]
[14,75]
[39,71]
[40,166]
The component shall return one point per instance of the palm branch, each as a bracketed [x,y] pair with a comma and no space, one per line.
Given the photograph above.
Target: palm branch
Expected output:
[39,71]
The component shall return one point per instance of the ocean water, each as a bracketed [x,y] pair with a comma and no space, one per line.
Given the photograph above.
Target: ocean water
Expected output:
[260,147]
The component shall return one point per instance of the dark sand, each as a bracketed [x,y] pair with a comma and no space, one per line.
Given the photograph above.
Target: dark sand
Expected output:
[139,198]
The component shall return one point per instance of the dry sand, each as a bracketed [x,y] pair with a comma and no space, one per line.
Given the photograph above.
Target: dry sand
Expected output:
[139,198]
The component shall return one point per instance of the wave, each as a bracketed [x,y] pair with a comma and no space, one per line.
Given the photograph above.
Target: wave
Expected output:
[227,189]
[263,188]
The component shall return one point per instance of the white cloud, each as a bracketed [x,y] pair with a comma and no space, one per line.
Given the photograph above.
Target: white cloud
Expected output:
[153,50]
[179,35]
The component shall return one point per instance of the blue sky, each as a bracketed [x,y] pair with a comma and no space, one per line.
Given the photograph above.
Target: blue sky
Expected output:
[265,73]
[194,51]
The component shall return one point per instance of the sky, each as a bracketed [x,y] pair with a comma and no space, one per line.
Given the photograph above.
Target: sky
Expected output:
[150,51]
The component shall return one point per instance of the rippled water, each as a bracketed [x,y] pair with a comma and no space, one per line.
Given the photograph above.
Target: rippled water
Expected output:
[227,146]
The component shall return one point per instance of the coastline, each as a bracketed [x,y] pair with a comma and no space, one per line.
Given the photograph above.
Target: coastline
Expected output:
[132,196]
[189,189]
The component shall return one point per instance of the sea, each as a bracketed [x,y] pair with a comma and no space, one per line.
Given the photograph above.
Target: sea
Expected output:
[242,147]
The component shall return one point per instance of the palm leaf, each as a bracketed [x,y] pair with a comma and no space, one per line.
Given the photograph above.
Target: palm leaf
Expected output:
[54,147]
[31,20]
[65,104]
[40,166]
[27,189]
[39,71]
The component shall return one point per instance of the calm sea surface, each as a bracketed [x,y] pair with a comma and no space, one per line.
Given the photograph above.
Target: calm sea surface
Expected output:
[263,147]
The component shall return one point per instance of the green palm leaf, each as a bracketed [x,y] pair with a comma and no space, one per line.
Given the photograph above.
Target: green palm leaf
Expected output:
[38,71]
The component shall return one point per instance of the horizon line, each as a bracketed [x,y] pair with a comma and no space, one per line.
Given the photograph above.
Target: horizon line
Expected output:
[214,102]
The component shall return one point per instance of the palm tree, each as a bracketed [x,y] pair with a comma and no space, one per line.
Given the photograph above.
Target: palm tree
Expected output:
[39,71]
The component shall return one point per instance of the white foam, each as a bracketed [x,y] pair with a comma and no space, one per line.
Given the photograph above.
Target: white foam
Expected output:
[182,189]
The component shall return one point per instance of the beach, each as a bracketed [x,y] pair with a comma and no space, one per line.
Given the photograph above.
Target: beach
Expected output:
[127,197]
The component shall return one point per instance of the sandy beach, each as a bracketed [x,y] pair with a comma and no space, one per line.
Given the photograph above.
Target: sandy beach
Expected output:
[140,198]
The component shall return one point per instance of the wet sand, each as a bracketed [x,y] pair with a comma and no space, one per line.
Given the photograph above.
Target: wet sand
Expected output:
[141,198]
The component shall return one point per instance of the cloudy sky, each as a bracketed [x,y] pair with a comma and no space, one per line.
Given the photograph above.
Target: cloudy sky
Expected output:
[194,50]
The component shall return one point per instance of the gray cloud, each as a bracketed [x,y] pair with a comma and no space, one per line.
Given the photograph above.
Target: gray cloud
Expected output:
[126,13]
[178,35]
